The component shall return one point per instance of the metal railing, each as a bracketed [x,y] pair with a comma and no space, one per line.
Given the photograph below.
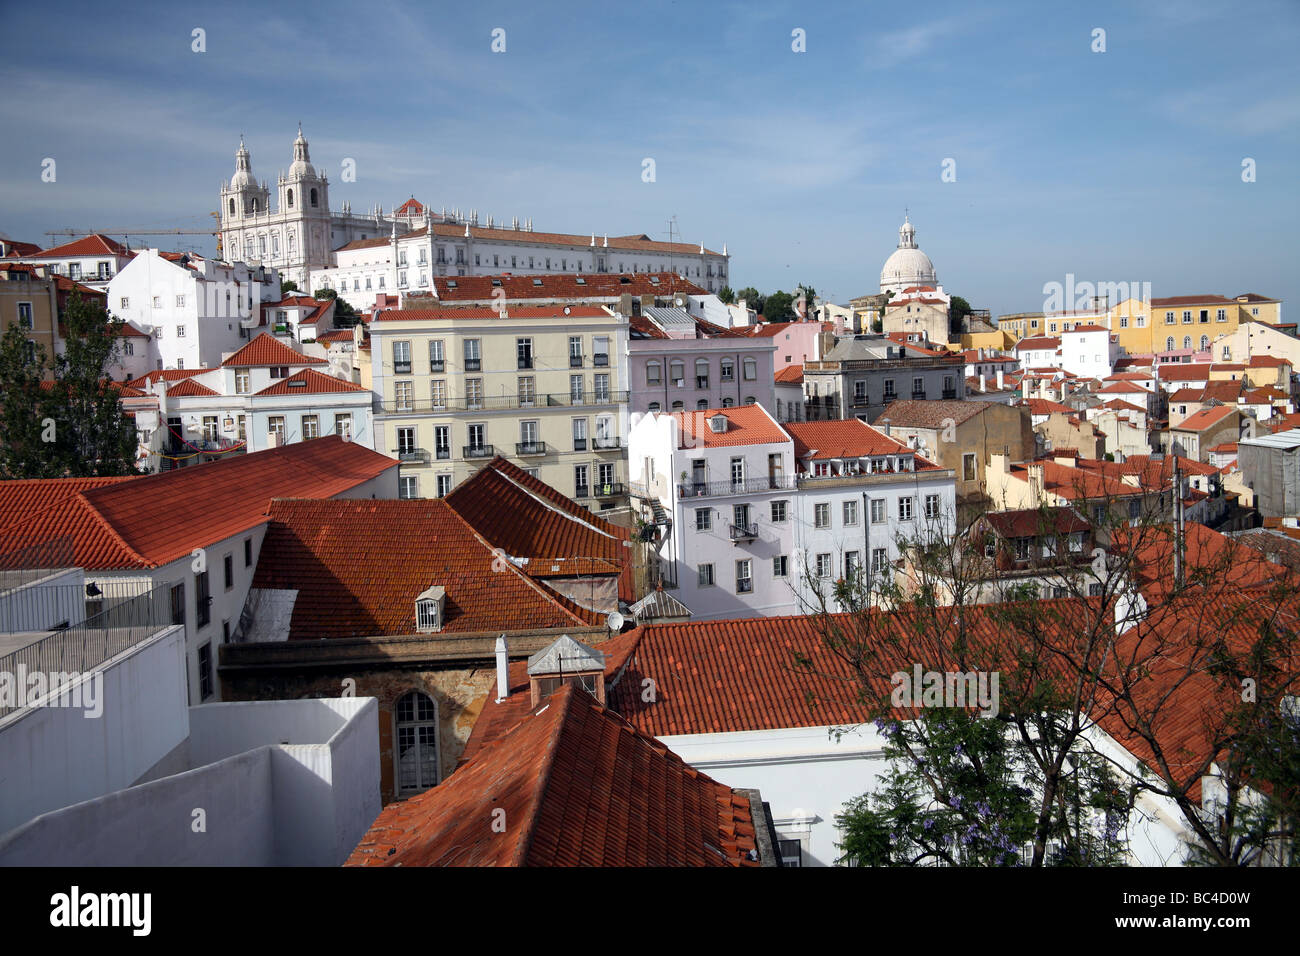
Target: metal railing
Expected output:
[713,489]
[479,451]
[494,403]
[530,448]
[607,442]
[413,455]
[744,532]
[84,645]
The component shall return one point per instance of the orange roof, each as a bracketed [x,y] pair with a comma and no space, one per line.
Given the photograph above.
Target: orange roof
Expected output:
[1191,300]
[1185,371]
[358,565]
[746,425]
[92,245]
[790,375]
[188,388]
[23,498]
[335,335]
[1043,406]
[1205,418]
[578,787]
[268,350]
[1264,396]
[1120,405]
[1119,388]
[562,285]
[1267,361]
[486,312]
[527,518]
[1088,328]
[309,382]
[1038,342]
[166,374]
[846,438]
[141,523]
[412,207]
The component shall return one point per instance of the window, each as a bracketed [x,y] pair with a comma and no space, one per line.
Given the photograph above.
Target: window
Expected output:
[124,302]
[444,485]
[180,331]
[780,566]
[178,603]
[1123,322]
[205,671]
[343,425]
[280,371]
[402,396]
[744,576]
[932,506]
[1187,341]
[601,387]
[1169,318]
[24,315]
[879,560]
[310,427]
[581,481]
[575,351]
[860,391]
[437,357]
[1187,316]
[248,552]
[1134,509]
[202,600]
[408,486]
[850,513]
[703,519]
[706,575]
[905,509]
[442,442]
[822,515]
[852,564]
[653,373]
[727,369]
[210,428]
[878,511]
[677,371]
[889,388]
[749,369]
[524,353]
[968,467]
[438,392]
[405,441]
[417,742]
[241,382]
[402,358]
[579,434]
[473,393]
[778,511]
[823,565]
[1169,344]
[702,373]
[228,570]
[575,390]
[473,357]
[600,351]
[527,390]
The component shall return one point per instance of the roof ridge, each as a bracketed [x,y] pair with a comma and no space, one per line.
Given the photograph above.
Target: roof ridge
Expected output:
[565,704]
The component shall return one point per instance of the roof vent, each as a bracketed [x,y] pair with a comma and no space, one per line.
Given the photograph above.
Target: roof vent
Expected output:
[718,423]
[429,609]
[497,283]
[537,282]
[581,281]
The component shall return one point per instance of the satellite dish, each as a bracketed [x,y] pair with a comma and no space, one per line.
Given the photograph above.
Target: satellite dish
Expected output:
[566,310]
[615,621]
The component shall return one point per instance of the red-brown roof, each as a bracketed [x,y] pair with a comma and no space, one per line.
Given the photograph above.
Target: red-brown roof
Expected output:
[166,374]
[486,312]
[21,499]
[309,382]
[1038,342]
[1043,406]
[912,413]
[1178,300]
[527,518]
[188,388]
[153,520]
[268,350]
[574,286]
[359,564]
[577,787]
[790,375]
[92,245]
[412,207]
[1185,371]
[846,438]
[746,425]
[1204,419]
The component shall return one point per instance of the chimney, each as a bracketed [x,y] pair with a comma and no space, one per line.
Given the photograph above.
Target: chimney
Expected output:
[1001,383]
[503,670]
[983,384]
[1035,474]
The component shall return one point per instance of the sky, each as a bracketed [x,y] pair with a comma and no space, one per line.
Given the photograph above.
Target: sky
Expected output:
[1122,164]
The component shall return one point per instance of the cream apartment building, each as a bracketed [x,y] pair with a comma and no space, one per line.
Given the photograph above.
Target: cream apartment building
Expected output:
[544,386]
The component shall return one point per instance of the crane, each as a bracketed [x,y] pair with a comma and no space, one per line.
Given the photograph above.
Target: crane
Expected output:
[124,233]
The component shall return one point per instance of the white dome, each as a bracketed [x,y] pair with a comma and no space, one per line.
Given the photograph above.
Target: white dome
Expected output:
[908,265]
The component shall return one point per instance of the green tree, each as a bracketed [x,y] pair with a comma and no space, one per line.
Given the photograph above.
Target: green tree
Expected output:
[287,286]
[778,307]
[345,316]
[958,309]
[726,295]
[24,409]
[753,300]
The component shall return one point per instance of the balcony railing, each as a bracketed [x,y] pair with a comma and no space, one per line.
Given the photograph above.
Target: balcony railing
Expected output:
[918,394]
[580,444]
[582,491]
[712,489]
[495,403]
[575,361]
[526,362]
[606,442]
[479,451]
[443,454]
[744,532]
[413,456]
[611,489]
[401,368]
[600,359]
[437,365]
[530,448]
[473,364]
[949,393]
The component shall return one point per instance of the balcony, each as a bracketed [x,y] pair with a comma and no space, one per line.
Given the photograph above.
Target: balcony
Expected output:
[600,360]
[497,403]
[860,401]
[612,489]
[401,367]
[473,364]
[524,448]
[479,451]
[580,444]
[607,442]
[413,456]
[443,454]
[743,532]
[918,395]
[582,491]
[950,393]
[525,362]
[714,489]
[575,361]
[437,365]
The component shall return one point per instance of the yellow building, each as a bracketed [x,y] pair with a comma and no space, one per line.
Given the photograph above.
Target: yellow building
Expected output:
[1186,323]
[540,385]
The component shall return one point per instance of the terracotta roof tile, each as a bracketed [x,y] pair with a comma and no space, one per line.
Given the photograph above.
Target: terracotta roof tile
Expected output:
[312,383]
[846,438]
[790,375]
[1204,419]
[746,425]
[92,245]
[486,312]
[910,413]
[575,286]
[268,350]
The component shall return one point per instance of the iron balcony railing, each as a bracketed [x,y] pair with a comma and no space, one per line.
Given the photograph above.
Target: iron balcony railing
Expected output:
[575,361]
[582,491]
[600,359]
[479,451]
[949,393]
[443,454]
[918,394]
[402,367]
[437,365]
[713,489]
[604,443]
[530,448]
[744,532]
[473,365]
[413,455]
[611,489]
[493,403]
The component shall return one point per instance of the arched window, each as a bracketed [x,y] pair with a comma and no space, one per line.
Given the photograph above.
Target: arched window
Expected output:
[702,404]
[254,205]
[679,406]
[728,402]
[232,207]
[289,195]
[655,406]
[313,197]
[750,400]
[750,369]
[417,743]
[1205,342]
[1187,341]
[1169,344]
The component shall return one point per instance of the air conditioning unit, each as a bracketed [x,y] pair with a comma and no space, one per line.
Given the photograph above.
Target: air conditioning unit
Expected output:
[679,382]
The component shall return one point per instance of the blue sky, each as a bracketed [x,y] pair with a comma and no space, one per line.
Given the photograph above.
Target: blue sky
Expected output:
[1115,166]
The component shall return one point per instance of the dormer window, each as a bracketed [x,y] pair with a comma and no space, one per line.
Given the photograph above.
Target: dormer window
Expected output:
[429,609]
[566,662]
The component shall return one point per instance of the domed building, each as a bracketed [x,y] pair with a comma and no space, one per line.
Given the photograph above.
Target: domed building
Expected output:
[908,267]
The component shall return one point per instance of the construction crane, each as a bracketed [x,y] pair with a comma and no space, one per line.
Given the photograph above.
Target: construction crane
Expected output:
[126,233]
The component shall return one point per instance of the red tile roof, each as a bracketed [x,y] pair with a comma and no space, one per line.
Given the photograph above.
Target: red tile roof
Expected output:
[1120,388]
[92,245]
[1122,406]
[577,787]
[746,425]
[313,383]
[166,374]
[1204,419]
[847,438]
[153,520]
[358,566]
[22,499]
[1088,328]
[412,207]
[485,312]
[268,350]
[1038,343]
[1267,361]
[790,375]
[1036,522]
[527,518]
[552,286]
[1185,372]
[1043,406]
[910,413]
[335,335]
[1178,300]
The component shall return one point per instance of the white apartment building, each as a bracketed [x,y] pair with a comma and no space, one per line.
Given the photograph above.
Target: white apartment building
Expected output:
[195,310]
[91,260]
[1089,351]
[753,515]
